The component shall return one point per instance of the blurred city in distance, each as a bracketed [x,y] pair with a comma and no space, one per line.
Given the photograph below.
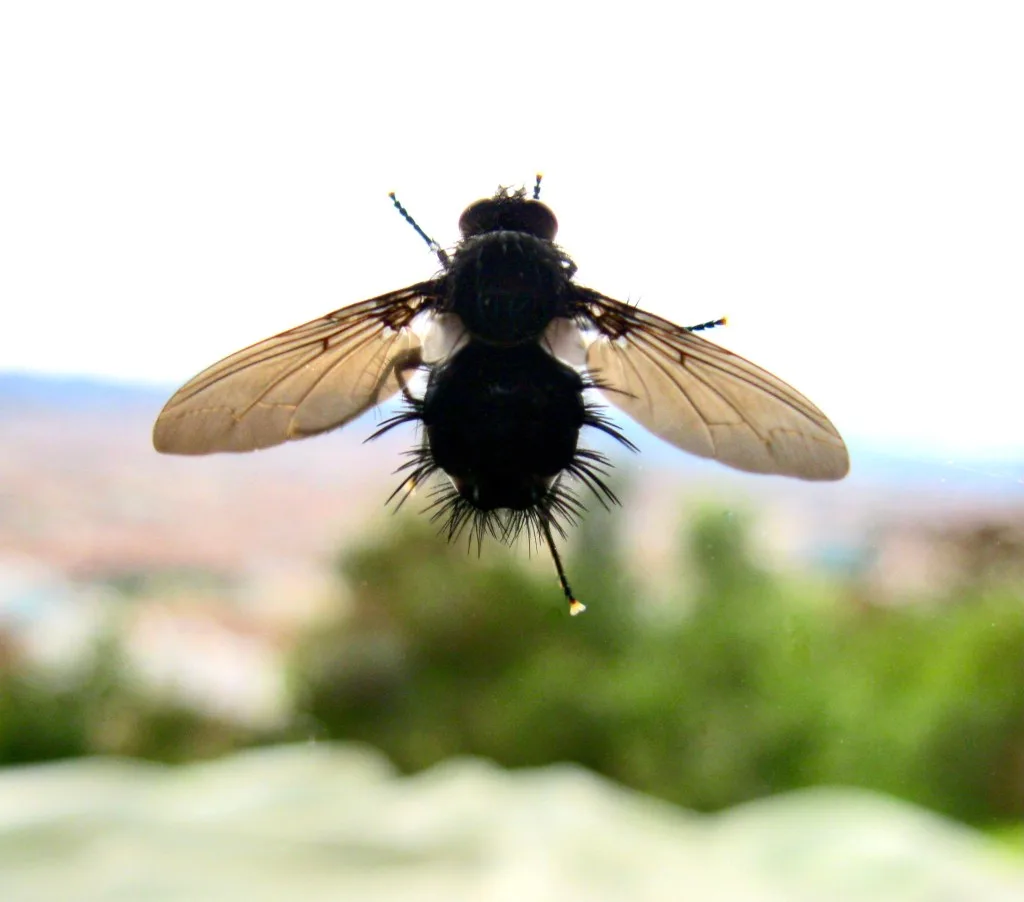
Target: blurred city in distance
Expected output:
[745,636]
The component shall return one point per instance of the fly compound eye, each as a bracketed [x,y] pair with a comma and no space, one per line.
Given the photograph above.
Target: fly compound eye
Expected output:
[508,214]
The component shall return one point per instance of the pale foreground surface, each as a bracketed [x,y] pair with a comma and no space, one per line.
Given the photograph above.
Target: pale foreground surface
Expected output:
[322,822]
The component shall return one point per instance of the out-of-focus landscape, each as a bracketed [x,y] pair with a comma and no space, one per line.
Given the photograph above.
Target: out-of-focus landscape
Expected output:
[825,649]
[246,677]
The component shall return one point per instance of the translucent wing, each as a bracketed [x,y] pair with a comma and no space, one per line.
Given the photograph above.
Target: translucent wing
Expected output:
[705,399]
[307,380]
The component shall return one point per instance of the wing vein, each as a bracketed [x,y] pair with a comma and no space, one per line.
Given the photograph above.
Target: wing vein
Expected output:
[304,381]
[703,398]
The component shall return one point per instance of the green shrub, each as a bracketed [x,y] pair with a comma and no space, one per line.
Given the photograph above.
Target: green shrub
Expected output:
[753,684]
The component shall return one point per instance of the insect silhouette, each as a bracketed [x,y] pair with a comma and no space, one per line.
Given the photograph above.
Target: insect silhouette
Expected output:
[510,346]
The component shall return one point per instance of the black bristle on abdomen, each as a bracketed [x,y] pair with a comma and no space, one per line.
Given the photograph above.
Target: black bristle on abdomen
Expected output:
[503,424]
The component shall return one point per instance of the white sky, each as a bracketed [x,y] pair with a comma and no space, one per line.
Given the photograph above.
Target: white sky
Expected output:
[844,180]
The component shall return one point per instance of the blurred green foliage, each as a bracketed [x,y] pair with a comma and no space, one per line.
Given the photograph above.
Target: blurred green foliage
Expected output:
[745,684]
[98,708]
[738,683]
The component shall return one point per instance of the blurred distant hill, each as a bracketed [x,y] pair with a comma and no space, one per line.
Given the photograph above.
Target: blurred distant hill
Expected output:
[83,489]
[19,391]
[31,392]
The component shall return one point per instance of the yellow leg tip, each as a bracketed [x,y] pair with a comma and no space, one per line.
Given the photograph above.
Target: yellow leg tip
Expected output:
[576,607]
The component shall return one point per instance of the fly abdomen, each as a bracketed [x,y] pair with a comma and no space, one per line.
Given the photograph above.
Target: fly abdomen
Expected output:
[507,286]
[503,423]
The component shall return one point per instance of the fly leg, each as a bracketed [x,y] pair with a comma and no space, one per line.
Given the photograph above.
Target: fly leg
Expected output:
[420,462]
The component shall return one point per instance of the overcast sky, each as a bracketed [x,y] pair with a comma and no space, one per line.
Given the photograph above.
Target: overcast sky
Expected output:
[844,180]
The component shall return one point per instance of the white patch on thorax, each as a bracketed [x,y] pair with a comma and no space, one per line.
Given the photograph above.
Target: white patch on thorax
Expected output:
[444,335]
[563,339]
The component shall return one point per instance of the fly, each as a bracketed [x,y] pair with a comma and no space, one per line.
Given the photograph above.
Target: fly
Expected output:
[510,345]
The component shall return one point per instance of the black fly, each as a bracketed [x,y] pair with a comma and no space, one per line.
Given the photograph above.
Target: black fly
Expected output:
[507,334]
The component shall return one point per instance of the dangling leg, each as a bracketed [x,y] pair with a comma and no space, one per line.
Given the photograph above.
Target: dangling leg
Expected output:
[575,607]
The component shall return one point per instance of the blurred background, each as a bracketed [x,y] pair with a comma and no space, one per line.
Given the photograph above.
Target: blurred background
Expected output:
[244,674]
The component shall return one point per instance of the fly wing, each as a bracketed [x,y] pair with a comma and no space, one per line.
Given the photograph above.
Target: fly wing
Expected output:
[705,399]
[305,381]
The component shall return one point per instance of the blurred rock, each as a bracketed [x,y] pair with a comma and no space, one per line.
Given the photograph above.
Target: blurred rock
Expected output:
[321,822]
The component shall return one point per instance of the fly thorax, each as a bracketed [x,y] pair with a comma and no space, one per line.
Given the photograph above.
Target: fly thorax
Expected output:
[507,286]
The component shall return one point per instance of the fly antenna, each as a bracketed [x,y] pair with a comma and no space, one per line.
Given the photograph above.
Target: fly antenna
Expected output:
[710,324]
[436,248]
[536,186]
[575,607]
